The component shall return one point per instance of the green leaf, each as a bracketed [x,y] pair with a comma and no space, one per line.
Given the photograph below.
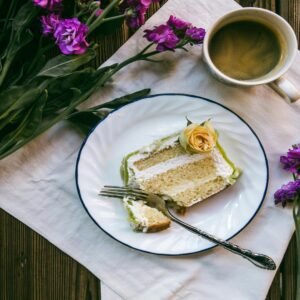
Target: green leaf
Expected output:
[63,65]
[27,127]
[13,118]
[17,98]
[32,68]
[18,75]
[61,92]
[18,43]
[35,116]
[9,96]
[11,138]
[119,102]
[189,122]
[87,119]
[24,16]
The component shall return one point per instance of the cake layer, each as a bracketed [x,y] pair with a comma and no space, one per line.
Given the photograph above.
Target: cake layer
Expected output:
[198,193]
[159,157]
[180,175]
[144,218]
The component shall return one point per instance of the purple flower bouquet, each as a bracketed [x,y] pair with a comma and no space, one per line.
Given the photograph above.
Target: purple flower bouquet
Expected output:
[36,92]
[290,192]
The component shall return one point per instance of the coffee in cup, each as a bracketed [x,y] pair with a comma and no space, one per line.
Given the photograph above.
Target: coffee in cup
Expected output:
[252,46]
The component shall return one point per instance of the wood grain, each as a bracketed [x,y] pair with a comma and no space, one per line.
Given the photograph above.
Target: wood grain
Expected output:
[32,268]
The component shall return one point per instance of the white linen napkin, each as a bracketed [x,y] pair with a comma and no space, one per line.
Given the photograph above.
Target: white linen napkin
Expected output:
[37,184]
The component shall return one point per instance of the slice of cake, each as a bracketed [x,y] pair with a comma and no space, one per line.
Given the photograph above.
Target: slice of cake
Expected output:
[189,166]
[145,218]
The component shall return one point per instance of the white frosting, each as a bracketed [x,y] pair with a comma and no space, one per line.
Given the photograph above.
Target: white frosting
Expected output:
[137,210]
[222,166]
[158,146]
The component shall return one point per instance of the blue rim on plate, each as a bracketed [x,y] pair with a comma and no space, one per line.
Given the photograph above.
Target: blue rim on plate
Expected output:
[191,96]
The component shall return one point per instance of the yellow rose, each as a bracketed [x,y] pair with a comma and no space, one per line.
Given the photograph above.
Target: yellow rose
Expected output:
[196,138]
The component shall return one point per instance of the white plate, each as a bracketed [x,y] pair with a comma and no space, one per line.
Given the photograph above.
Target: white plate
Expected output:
[140,123]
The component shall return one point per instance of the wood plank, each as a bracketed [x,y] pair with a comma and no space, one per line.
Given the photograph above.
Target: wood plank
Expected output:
[274,292]
[32,268]
[290,10]
[289,271]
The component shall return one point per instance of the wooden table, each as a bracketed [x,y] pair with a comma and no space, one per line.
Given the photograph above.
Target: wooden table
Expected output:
[32,268]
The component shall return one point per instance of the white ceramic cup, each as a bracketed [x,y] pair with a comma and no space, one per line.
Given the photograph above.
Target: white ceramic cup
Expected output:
[288,41]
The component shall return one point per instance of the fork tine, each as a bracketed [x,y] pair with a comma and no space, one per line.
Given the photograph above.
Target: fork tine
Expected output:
[123,187]
[121,194]
[124,193]
[110,195]
[126,189]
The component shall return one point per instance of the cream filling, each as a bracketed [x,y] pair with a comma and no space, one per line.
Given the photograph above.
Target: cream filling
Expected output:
[188,203]
[173,191]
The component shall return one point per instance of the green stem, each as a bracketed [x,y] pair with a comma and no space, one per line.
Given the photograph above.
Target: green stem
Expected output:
[5,69]
[8,16]
[81,12]
[139,56]
[146,48]
[100,19]
[113,18]
[91,17]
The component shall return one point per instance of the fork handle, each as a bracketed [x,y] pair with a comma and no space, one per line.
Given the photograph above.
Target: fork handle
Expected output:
[260,260]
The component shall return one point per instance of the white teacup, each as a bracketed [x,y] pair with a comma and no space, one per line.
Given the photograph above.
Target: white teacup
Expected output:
[288,41]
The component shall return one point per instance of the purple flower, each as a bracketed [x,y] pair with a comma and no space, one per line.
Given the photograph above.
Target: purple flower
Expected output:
[98,12]
[163,36]
[288,192]
[195,35]
[291,161]
[135,11]
[49,4]
[70,35]
[49,23]
[41,3]
[177,23]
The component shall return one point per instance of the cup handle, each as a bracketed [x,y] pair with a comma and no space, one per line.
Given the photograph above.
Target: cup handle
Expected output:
[285,89]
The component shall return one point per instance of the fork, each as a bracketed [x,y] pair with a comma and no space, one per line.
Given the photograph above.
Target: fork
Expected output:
[162,202]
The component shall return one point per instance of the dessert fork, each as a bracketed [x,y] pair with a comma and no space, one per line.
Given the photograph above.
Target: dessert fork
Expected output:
[162,203]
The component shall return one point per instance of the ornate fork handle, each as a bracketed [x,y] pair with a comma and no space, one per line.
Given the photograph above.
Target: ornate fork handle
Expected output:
[260,260]
[160,202]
